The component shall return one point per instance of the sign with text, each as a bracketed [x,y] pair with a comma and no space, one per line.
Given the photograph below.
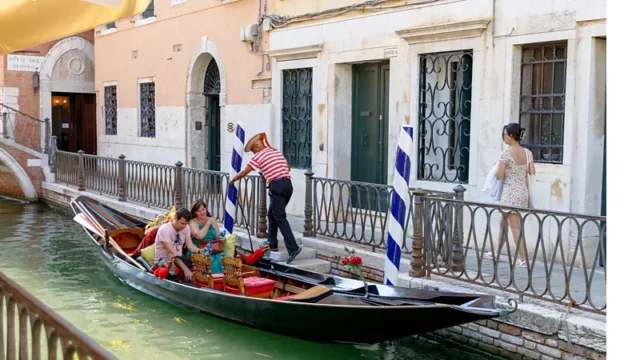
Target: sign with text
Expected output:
[391,52]
[24,63]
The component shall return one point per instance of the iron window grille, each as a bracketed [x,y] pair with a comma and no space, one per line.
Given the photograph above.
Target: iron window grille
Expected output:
[212,79]
[444,123]
[148,109]
[111,110]
[296,117]
[149,12]
[542,100]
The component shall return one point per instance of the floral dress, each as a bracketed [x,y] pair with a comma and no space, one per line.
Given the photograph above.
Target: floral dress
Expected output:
[514,191]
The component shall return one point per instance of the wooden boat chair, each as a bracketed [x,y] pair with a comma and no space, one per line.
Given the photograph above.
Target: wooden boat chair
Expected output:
[202,276]
[252,286]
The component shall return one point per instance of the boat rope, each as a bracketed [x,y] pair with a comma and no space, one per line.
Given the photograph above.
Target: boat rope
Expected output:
[566,329]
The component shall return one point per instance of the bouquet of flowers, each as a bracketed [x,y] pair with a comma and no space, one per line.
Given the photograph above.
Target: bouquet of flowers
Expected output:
[353,264]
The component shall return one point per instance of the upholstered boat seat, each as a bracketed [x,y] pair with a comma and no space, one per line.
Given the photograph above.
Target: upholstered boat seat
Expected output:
[218,282]
[253,286]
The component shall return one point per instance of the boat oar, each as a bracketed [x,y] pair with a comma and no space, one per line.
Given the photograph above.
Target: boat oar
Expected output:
[108,239]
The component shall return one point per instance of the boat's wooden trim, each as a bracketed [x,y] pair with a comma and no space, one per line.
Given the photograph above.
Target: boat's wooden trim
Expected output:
[310,294]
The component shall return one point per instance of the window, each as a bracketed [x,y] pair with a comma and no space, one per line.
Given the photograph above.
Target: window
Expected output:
[110,110]
[444,124]
[111,25]
[296,117]
[542,100]
[149,12]
[148,109]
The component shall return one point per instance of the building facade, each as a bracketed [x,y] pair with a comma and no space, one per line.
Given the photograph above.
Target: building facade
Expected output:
[457,71]
[173,82]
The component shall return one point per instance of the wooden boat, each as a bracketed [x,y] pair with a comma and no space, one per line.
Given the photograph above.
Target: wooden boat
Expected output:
[304,304]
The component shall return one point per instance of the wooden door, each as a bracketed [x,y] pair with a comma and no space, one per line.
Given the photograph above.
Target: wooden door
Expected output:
[370,122]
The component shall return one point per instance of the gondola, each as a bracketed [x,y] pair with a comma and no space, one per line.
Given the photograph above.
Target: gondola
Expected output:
[305,305]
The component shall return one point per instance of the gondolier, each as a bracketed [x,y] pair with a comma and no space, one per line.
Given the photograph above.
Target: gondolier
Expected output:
[275,169]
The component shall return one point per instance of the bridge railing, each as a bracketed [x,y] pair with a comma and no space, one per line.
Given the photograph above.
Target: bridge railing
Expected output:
[24,129]
[39,327]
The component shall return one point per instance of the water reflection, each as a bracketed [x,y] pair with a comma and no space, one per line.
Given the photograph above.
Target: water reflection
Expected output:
[48,254]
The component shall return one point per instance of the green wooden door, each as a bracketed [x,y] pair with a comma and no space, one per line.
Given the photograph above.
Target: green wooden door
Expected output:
[369,143]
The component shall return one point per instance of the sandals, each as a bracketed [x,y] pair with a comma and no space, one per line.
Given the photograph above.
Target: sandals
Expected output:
[519,262]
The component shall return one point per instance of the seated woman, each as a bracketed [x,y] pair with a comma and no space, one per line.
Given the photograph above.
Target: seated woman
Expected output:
[204,229]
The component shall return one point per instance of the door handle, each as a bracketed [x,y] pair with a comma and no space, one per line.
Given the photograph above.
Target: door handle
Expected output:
[365,140]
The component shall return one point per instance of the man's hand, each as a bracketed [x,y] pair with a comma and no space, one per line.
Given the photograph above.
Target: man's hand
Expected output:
[188,275]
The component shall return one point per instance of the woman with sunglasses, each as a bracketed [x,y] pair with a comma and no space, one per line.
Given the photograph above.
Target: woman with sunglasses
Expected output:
[204,229]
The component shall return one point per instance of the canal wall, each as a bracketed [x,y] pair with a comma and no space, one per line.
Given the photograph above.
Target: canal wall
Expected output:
[538,330]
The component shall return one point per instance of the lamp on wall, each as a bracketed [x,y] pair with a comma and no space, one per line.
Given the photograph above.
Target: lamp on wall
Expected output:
[36,80]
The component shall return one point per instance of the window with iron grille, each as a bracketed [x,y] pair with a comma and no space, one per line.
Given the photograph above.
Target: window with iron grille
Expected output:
[149,12]
[444,124]
[148,109]
[111,110]
[296,117]
[542,100]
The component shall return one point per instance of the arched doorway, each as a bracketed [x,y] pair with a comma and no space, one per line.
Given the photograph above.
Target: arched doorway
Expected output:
[212,103]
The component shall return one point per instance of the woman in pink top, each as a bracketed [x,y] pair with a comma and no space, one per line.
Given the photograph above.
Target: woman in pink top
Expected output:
[275,169]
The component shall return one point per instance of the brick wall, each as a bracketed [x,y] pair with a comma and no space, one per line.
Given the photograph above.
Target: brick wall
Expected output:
[510,342]
[9,185]
[338,269]
[34,172]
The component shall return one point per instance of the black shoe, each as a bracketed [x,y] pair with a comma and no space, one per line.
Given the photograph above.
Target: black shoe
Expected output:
[294,254]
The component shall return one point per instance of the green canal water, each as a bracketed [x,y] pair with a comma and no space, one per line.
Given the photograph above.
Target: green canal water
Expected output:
[43,250]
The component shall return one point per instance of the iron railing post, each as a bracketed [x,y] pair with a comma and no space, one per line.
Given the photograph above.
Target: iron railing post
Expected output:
[81,170]
[308,204]
[417,258]
[262,207]
[122,178]
[177,191]
[458,234]
[428,252]
[52,154]
[5,131]
[47,134]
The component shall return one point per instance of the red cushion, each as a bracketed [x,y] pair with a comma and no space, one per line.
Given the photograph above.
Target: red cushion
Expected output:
[253,285]
[284,298]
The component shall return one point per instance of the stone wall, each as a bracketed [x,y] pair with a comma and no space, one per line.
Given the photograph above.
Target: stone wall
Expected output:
[511,342]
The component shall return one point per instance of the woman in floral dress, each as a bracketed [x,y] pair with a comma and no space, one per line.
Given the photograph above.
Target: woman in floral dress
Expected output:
[515,165]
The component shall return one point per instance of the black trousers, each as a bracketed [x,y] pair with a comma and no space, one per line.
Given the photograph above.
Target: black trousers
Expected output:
[280,191]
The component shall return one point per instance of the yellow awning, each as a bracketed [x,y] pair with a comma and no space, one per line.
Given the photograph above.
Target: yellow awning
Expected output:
[26,23]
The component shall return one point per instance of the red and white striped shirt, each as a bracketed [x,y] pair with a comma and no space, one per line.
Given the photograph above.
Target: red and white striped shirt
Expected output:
[271,163]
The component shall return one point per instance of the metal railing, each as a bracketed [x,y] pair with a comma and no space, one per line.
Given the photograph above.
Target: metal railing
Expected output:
[37,325]
[358,212]
[549,255]
[161,186]
[24,129]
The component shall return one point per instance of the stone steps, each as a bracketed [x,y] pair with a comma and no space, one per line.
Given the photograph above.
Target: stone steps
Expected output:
[315,265]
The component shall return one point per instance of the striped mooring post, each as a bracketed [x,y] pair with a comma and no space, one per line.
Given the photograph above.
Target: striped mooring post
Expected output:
[399,205]
[236,167]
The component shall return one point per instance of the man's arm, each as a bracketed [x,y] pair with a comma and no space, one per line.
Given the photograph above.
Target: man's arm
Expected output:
[242,174]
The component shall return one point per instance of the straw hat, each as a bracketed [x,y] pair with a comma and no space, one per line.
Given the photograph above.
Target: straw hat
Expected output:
[256,138]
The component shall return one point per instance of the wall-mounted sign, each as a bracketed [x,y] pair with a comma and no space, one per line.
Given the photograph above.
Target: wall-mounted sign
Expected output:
[65,125]
[24,63]
[230,127]
[391,52]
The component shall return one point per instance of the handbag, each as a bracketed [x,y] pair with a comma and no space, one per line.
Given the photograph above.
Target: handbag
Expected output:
[216,246]
[493,185]
[530,178]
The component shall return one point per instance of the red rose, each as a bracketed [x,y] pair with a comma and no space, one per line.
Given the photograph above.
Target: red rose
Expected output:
[356,260]
[345,260]
[259,253]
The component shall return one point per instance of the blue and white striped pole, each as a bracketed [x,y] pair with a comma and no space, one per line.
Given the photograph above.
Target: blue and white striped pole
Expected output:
[236,167]
[399,205]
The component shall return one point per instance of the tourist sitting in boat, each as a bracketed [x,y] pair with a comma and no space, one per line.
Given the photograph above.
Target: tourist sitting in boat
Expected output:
[205,230]
[170,240]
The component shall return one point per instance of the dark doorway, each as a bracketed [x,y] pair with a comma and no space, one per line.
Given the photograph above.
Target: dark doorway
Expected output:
[370,123]
[73,121]
[213,120]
